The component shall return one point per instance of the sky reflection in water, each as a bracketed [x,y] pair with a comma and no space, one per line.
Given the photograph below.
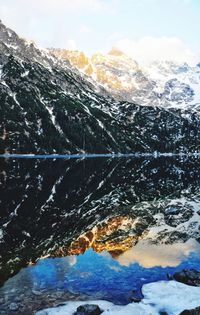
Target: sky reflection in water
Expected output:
[100,274]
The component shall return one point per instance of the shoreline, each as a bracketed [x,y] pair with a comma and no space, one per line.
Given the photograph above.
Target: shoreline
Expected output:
[162,297]
[173,296]
[93,155]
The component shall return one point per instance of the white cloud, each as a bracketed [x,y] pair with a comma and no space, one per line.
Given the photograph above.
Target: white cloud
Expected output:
[71,44]
[48,22]
[85,29]
[114,37]
[23,9]
[60,5]
[148,49]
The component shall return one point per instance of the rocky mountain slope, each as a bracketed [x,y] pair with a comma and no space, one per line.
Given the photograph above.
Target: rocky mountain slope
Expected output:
[48,106]
[167,84]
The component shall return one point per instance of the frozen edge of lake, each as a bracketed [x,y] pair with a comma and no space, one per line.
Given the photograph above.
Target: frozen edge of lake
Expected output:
[163,296]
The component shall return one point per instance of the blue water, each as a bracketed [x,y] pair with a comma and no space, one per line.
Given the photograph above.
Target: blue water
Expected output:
[99,275]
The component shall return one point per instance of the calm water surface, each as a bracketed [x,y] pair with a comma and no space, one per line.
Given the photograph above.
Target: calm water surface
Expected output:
[94,228]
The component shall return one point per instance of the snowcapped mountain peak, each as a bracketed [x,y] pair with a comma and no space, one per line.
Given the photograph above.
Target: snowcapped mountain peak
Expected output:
[77,59]
[12,44]
[161,83]
[168,67]
[114,58]
[7,36]
[10,39]
[115,52]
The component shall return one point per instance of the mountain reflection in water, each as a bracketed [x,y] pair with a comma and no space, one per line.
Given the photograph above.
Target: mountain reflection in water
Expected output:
[112,221]
[101,276]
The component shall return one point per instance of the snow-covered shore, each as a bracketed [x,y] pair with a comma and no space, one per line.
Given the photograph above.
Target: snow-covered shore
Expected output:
[163,296]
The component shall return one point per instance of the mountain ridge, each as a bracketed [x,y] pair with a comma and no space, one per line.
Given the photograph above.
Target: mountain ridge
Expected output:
[162,83]
[48,106]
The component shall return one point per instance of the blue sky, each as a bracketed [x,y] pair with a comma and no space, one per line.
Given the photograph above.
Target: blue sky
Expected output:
[142,28]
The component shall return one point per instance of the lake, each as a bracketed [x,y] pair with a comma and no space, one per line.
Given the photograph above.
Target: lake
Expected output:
[94,228]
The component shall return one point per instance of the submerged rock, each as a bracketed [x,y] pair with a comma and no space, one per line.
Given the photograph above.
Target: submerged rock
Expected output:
[195,311]
[136,296]
[88,309]
[37,293]
[188,276]
[13,306]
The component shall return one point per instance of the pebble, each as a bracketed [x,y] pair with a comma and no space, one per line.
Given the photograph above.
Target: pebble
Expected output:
[18,299]
[59,294]
[88,309]
[1,301]
[13,306]
[35,292]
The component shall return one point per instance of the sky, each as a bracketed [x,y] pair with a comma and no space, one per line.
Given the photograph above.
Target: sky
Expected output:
[144,29]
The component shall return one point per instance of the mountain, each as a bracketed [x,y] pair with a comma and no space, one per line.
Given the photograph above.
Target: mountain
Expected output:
[167,84]
[48,106]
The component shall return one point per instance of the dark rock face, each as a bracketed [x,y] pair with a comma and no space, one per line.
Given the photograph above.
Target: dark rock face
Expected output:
[190,277]
[186,93]
[88,309]
[177,214]
[195,311]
